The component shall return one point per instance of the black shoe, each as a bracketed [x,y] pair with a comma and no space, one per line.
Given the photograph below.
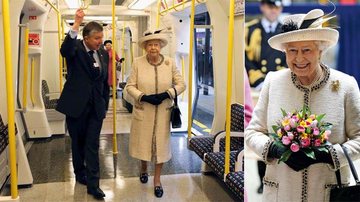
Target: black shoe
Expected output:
[82,179]
[144,177]
[260,189]
[96,192]
[158,191]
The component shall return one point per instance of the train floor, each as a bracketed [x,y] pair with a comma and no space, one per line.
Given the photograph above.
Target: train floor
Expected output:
[50,163]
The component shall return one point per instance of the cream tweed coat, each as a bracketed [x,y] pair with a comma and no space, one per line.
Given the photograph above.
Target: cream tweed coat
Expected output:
[342,108]
[150,128]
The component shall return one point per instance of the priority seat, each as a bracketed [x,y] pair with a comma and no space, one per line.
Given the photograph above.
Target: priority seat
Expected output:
[49,103]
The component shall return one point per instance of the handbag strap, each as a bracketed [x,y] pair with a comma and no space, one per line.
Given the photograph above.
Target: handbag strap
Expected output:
[175,99]
[352,168]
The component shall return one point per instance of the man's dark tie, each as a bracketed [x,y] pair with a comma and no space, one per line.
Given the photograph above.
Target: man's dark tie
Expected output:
[94,70]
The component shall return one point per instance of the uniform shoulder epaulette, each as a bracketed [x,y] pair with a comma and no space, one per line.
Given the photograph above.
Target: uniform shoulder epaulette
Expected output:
[251,23]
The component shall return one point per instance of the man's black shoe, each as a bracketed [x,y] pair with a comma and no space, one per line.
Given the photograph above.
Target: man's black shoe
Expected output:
[82,180]
[96,192]
[260,189]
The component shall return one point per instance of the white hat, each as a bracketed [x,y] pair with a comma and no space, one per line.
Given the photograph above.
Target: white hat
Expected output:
[305,27]
[153,35]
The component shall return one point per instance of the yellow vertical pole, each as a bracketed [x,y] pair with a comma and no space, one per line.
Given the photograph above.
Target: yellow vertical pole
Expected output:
[123,53]
[191,67]
[158,14]
[229,84]
[183,71]
[10,99]
[59,42]
[114,89]
[26,67]
[32,98]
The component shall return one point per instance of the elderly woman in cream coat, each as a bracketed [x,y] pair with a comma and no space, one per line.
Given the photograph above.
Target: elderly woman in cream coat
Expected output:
[325,91]
[152,84]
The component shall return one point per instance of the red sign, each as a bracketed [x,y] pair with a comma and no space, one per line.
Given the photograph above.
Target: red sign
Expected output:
[34,39]
[32,17]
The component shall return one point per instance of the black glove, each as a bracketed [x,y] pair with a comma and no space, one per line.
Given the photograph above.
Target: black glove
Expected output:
[299,160]
[323,157]
[275,151]
[152,99]
[163,96]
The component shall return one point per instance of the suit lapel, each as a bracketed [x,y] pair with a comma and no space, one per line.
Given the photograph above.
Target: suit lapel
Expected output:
[84,57]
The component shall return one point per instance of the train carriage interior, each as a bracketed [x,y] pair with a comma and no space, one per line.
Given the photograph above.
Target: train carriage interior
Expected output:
[207,150]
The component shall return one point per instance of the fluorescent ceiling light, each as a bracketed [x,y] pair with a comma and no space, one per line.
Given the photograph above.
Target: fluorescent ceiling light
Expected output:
[73,4]
[140,4]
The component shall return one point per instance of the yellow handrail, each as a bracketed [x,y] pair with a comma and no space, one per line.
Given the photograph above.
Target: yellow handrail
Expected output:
[158,14]
[191,67]
[10,99]
[26,67]
[173,7]
[229,84]
[114,86]
[84,5]
[183,72]
[59,42]
[123,53]
[181,3]
[32,98]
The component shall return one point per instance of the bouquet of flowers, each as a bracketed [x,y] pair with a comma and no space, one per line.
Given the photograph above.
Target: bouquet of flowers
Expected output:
[301,131]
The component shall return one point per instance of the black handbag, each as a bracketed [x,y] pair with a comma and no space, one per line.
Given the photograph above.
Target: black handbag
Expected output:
[346,193]
[175,118]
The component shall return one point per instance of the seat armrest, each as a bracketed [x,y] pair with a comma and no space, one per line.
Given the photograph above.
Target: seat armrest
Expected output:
[239,161]
[221,134]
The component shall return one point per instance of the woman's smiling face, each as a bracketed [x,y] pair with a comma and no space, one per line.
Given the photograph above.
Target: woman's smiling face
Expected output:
[303,58]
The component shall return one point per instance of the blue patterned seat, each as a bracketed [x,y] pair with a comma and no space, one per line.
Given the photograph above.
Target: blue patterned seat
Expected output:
[216,161]
[235,182]
[49,103]
[205,144]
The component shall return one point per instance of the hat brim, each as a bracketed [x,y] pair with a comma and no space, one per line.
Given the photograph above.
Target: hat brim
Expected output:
[161,37]
[315,34]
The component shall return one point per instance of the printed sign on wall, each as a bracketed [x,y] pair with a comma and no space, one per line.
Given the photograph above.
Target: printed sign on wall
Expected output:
[34,39]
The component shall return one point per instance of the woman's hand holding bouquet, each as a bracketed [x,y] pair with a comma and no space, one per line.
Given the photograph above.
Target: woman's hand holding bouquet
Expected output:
[301,139]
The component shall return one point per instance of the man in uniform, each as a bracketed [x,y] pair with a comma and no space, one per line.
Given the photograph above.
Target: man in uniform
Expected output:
[260,58]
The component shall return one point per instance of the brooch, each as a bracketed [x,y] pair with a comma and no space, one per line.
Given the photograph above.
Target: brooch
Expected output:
[167,62]
[335,85]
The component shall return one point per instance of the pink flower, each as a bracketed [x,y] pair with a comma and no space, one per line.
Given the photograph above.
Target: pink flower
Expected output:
[314,124]
[292,123]
[312,116]
[295,118]
[316,131]
[286,140]
[305,142]
[326,134]
[300,129]
[317,142]
[290,135]
[287,128]
[294,147]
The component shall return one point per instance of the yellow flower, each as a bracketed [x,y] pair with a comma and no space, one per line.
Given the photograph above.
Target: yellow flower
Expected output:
[309,120]
[303,123]
[304,135]
[285,122]
[279,133]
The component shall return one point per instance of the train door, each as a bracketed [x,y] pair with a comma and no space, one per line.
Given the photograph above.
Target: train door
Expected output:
[203,108]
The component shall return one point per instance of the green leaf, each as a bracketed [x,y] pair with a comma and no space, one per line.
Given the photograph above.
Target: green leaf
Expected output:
[319,117]
[309,152]
[304,111]
[283,112]
[286,155]
[275,128]
[274,135]
[323,149]
[308,130]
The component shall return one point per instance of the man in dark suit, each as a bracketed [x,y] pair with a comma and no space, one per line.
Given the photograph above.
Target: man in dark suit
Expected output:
[85,98]
[260,58]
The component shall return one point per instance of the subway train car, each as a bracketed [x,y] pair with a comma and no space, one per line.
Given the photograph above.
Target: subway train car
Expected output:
[204,39]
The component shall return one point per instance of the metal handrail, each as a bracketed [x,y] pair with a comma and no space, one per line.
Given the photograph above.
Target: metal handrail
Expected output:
[174,6]
[10,99]
[26,67]
[191,47]
[123,53]
[59,42]
[229,84]
[183,72]
[114,89]
[32,72]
